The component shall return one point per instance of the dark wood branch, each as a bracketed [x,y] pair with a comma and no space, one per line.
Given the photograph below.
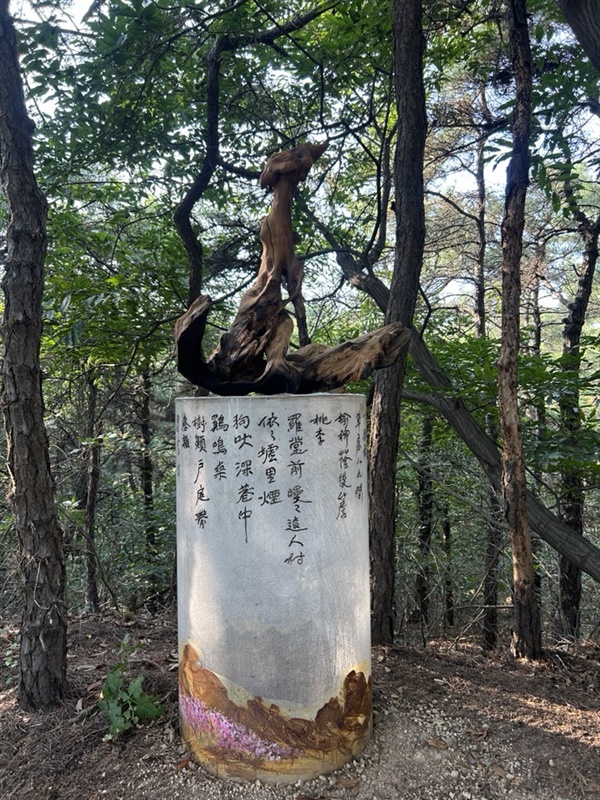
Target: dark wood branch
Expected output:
[379,238]
[454,205]
[242,172]
[295,23]
[182,216]
[183,212]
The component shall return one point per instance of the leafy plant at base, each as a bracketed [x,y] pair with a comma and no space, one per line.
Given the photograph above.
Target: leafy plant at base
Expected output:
[126,707]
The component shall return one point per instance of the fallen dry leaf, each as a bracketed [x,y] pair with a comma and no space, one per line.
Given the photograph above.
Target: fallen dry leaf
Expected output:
[478,733]
[438,744]
[183,762]
[498,771]
[592,787]
[347,783]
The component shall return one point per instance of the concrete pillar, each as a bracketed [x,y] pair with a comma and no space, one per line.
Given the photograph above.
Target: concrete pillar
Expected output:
[273,583]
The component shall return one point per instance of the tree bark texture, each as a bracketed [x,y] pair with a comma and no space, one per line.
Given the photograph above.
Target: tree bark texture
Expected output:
[584,18]
[479,275]
[539,401]
[572,492]
[409,47]
[527,624]
[253,355]
[42,657]
[493,532]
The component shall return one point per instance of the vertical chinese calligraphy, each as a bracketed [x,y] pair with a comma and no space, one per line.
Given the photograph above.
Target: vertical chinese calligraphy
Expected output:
[276,471]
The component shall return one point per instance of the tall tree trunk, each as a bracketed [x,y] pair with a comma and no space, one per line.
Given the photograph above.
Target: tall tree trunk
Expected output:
[42,657]
[527,626]
[409,45]
[572,494]
[91,496]
[479,276]
[425,505]
[493,531]
[539,403]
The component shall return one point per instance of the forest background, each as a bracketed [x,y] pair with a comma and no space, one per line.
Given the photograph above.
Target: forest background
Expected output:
[153,122]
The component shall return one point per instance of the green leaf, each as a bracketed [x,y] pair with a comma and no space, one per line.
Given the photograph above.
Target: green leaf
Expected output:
[135,688]
[148,707]
[116,720]
[113,683]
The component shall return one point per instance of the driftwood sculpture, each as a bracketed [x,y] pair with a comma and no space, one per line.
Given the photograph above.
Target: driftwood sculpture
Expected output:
[253,356]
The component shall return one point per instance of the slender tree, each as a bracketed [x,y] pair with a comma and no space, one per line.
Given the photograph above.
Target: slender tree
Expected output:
[493,531]
[527,627]
[410,235]
[572,494]
[43,622]
[94,446]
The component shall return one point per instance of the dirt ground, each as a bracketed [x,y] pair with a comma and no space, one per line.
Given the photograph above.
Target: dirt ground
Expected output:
[449,724]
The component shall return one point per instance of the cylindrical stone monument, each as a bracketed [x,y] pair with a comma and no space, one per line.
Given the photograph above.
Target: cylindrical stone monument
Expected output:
[273,583]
